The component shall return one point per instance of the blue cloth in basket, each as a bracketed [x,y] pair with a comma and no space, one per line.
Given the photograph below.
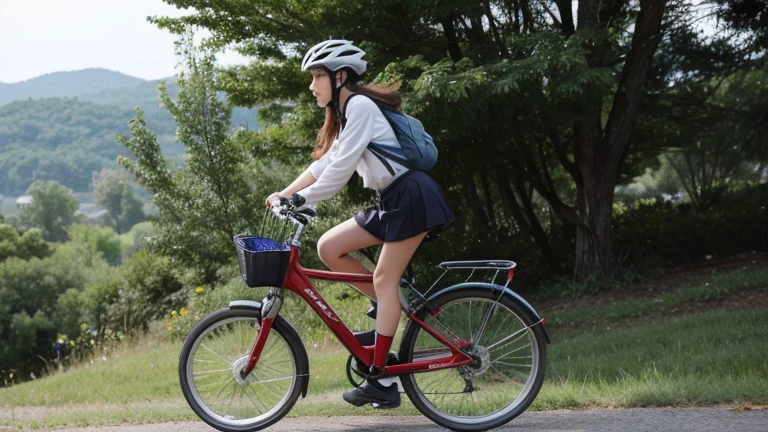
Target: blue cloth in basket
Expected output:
[259,244]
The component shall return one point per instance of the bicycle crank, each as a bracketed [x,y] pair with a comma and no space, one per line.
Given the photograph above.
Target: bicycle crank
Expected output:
[357,373]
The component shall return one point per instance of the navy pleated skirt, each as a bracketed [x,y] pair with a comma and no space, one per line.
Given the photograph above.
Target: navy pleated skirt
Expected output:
[412,204]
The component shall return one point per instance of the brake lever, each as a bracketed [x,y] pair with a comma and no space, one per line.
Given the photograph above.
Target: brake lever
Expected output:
[301,218]
[306,210]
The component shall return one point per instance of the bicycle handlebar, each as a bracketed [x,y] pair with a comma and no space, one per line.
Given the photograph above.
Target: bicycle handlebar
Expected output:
[300,215]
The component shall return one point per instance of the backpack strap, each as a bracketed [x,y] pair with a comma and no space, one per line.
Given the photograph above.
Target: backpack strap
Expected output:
[378,155]
[343,119]
[383,160]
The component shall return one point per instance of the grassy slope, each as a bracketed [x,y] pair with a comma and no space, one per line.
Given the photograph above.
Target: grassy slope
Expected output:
[624,354]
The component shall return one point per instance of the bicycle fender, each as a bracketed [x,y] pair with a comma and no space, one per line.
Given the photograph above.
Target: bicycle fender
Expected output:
[245,304]
[302,366]
[498,289]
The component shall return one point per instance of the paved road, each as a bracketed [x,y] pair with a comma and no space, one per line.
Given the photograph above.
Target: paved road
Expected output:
[630,420]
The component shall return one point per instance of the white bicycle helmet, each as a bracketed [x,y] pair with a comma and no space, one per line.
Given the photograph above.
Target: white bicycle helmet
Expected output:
[335,54]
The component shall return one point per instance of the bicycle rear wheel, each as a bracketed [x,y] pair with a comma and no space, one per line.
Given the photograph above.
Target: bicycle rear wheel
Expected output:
[508,348]
[215,352]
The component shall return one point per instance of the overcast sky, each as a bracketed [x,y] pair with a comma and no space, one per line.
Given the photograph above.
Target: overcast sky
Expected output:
[43,36]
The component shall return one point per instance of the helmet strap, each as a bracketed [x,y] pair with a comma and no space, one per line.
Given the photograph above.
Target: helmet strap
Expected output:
[335,97]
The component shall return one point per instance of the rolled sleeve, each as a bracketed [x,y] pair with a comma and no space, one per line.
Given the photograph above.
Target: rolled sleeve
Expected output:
[317,167]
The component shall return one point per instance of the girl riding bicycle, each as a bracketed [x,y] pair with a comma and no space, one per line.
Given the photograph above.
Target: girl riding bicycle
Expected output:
[410,205]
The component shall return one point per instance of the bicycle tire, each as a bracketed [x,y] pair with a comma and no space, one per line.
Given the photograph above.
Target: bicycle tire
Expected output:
[226,337]
[499,391]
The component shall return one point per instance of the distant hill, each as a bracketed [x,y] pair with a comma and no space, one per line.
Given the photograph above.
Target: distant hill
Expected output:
[66,84]
[63,126]
[58,139]
[146,96]
[108,87]
[143,93]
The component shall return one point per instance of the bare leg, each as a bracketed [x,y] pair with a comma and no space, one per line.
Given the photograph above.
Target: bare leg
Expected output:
[335,245]
[394,258]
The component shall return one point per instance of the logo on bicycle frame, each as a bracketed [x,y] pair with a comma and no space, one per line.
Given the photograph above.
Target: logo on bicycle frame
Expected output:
[438,365]
[322,305]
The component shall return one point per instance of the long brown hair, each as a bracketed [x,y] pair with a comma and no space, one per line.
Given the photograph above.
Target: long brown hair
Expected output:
[388,96]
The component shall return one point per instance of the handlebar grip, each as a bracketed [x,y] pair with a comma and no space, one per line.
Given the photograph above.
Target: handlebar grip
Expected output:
[298,200]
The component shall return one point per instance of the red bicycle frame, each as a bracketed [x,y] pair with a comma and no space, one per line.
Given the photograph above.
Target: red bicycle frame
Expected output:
[297,280]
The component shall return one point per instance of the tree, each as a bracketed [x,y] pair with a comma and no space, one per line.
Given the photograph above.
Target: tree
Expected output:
[52,209]
[731,150]
[206,200]
[150,290]
[29,290]
[112,191]
[750,18]
[550,99]
[26,245]
[96,243]
[705,106]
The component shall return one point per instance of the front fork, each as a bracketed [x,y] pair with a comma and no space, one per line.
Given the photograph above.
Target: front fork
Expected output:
[271,306]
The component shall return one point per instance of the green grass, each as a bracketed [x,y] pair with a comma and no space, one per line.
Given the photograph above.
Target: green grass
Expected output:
[141,385]
[716,287]
[708,358]
[145,373]
[621,355]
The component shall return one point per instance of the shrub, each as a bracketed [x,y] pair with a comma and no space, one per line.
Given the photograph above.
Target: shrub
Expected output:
[678,233]
[24,245]
[98,241]
[148,289]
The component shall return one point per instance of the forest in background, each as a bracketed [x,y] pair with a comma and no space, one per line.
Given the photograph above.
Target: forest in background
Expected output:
[594,151]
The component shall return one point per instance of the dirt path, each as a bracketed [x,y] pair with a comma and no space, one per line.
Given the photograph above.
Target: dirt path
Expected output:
[630,420]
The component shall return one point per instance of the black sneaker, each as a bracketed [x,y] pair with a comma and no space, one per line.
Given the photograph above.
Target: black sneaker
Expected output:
[371,392]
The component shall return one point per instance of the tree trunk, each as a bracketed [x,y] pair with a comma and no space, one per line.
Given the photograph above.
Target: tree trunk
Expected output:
[566,16]
[594,238]
[450,36]
[472,198]
[599,152]
[489,204]
[527,221]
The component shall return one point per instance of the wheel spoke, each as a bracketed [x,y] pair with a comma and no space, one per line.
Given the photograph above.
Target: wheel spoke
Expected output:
[514,351]
[512,364]
[507,360]
[208,372]
[218,356]
[223,397]
[256,395]
[508,338]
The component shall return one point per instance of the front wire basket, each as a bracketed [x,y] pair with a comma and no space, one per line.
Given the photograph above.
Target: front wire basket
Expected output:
[263,262]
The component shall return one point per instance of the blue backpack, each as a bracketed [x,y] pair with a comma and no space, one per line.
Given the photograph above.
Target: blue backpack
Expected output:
[417,149]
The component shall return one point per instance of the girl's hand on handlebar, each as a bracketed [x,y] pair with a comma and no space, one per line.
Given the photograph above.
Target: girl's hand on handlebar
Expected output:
[274,199]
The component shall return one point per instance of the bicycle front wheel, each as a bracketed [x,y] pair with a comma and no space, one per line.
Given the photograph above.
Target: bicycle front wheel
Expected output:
[215,352]
[508,348]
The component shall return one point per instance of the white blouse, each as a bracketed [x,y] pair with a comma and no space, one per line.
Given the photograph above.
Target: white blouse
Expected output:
[349,153]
